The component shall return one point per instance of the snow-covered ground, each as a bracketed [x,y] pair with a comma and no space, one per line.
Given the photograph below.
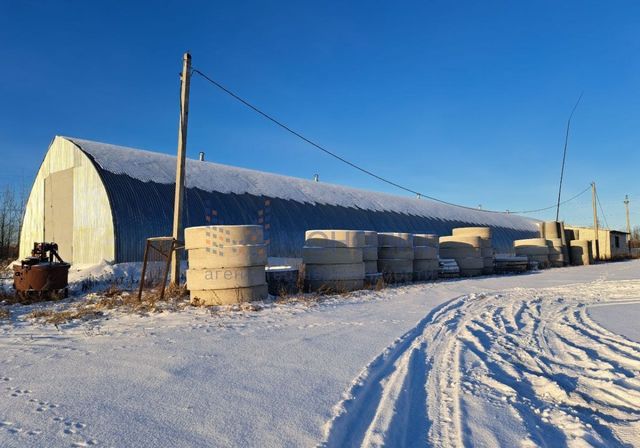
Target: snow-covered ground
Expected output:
[623,318]
[529,360]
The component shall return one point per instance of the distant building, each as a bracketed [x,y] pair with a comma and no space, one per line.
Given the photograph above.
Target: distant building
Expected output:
[613,244]
[100,202]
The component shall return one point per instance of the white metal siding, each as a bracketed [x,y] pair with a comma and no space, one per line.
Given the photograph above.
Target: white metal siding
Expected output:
[92,232]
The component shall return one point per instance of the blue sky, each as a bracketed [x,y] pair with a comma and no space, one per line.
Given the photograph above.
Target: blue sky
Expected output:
[466,101]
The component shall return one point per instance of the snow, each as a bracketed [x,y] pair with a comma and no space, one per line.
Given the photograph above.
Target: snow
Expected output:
[623,319]
[160,168]
[493,361]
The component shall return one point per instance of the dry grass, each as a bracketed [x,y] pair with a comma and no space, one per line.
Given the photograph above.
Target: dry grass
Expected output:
[11,297]
[7,296]
[56,318]
[115,298]
[5,314]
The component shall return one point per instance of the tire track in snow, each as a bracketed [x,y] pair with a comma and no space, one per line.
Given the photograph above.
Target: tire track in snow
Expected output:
[521,368]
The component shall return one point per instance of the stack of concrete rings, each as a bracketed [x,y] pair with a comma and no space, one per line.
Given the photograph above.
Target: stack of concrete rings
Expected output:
[535,249]
[466,250]
[226,264]
[556,252]
[333,260]
[581,253]
[370,258]
[395,256]
[484,233]
[425,256]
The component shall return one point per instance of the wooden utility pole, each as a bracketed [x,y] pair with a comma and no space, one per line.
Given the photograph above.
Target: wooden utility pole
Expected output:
[596,249]
[626,205]
[178,231]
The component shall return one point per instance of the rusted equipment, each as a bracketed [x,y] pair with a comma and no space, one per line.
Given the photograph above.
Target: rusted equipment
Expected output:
[42,275]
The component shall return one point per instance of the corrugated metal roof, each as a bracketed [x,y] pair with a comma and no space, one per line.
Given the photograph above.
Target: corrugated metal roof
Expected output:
[155,167]
[140,185]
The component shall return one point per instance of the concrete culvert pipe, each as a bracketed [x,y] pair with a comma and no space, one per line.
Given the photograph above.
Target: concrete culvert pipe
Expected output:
[226,264]
[396,270]
[552,229]
[225,278]
[542,260]
[370,267]
[395,239]
[370,238]
[581,252]
[556,252]
[482,232]
[531,250]
[228,296]
[424,270]
[470,266]
[426,239]
[228,256]
[205,237]
[537,242]
[334,238]
[460,241]
[396,266]
[425,253]
[426,265]
[332,255]
[370,253]
[320,272]
[456,252]
[405,253]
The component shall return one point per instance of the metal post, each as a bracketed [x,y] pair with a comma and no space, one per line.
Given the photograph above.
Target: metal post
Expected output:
[180,166]
[144,270]
[165,273]
[596,249]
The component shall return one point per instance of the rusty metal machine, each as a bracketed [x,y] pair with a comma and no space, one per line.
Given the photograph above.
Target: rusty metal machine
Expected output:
[43,275]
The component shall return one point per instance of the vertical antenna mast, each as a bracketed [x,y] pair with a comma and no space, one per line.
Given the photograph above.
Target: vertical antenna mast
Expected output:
[564,155]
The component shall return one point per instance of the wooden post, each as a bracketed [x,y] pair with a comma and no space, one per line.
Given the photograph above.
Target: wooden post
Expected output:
[180,165]
[596,249]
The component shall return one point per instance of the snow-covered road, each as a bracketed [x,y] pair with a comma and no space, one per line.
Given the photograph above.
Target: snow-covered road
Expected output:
[527,367]
[484,362]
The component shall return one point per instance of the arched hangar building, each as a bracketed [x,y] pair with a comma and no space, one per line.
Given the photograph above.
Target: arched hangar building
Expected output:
[100,202]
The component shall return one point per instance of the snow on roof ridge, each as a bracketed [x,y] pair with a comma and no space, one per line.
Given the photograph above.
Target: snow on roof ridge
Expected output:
[149,166]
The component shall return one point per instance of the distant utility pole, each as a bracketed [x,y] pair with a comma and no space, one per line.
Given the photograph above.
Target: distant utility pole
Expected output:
[178,232]
[596,249]
[626,205]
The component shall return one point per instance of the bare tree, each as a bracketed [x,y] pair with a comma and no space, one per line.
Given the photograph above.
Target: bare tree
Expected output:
[11,211]
[635,236]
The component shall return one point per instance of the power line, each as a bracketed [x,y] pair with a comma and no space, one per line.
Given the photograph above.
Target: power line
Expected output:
[554,205]
[352,164]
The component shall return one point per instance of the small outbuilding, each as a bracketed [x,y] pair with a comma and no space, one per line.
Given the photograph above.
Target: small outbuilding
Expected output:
[612,244]
[100,202]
